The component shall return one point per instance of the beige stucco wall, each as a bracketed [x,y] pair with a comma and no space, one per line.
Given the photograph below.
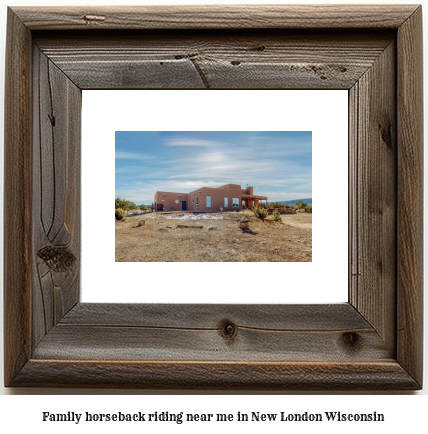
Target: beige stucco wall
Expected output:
[197,200]
[168,200]
[217,195]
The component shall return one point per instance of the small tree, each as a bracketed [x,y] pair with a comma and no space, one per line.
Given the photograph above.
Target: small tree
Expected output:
[124,204]
[121,203]
[131,206]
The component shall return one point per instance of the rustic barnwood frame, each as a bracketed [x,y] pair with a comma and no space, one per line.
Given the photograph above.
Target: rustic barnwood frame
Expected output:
[372,342]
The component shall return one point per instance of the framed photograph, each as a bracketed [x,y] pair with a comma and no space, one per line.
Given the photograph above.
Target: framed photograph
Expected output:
[372,341]
[205,180]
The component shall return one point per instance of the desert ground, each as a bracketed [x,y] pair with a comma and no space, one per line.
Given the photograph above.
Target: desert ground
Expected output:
[161,239]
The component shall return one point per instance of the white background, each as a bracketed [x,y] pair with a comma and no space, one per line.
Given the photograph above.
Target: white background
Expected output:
[405,413]
[324,280]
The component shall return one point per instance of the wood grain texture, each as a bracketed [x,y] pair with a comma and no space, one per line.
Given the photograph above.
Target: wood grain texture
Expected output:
[210,316]
[56,194]
[410,196]
[217,17]
[17,199]
[375,375]
[373,178]
[216,60]
[199,332]
[374,342]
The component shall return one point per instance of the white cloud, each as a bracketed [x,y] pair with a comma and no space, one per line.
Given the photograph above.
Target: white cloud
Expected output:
[190,142]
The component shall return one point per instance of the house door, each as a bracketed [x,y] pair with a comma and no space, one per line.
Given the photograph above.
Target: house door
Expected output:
[159,207]
[183,205]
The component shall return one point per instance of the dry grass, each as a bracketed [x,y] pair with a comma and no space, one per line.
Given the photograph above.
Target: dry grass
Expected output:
[220,239]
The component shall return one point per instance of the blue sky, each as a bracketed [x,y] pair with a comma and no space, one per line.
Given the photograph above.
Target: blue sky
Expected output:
[278,164]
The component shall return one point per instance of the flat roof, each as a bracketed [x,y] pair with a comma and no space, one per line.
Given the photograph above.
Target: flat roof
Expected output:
[253,196]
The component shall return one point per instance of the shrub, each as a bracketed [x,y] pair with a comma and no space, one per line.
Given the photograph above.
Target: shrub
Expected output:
[121,203]
[132,206]
[301,205]
[276,216]
[260,213]
[120,213]
[124,204]
[308,208]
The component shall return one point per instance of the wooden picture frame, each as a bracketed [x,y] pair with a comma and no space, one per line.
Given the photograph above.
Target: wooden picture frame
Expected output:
[372,342]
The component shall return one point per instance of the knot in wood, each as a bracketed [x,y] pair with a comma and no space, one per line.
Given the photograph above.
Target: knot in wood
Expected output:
[228,330]
[58,259]
[351,340]
[88,18]
[386,134]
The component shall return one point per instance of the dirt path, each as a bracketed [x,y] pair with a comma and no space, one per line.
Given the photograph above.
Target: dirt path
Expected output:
[219,240]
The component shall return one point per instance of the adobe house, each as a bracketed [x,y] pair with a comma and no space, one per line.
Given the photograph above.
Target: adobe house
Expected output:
[230,197]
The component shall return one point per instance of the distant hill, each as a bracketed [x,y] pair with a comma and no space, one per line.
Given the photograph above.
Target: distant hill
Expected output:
[293,202]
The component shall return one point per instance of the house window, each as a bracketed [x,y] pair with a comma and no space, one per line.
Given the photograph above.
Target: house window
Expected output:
[208,201]
[235,201]
[197,201]
[226,202]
